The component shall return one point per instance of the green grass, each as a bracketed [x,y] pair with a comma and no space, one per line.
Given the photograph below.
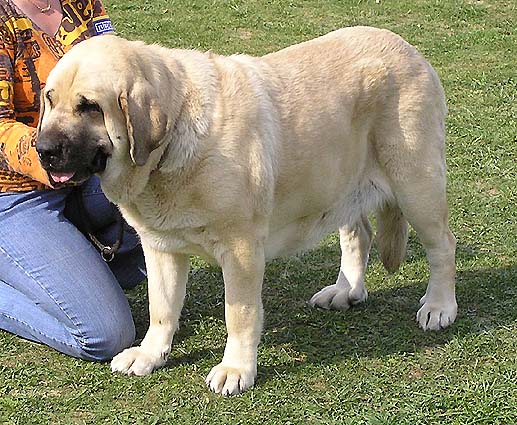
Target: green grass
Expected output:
[370,365]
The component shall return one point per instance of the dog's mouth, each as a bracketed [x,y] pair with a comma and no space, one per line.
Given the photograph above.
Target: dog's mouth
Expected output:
[99,161]
[77,175]
[61,177]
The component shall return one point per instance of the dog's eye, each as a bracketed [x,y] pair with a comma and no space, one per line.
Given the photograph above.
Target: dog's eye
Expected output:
[88,106]
[48,95]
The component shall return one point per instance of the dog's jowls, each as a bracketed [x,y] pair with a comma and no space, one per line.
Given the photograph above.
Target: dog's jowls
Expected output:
[241,159]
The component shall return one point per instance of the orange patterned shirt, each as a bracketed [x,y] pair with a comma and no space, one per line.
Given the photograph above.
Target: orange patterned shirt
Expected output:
[27,54]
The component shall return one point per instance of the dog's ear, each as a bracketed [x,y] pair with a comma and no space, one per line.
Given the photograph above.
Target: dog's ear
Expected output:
[145,121]
[41,111]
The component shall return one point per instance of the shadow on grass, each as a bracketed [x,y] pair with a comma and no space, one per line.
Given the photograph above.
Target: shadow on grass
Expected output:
[382,326]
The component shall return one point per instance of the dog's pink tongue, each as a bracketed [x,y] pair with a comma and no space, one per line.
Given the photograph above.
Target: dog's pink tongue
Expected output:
[61,177]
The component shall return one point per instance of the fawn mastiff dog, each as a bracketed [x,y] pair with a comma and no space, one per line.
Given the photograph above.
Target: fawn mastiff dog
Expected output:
[242,159]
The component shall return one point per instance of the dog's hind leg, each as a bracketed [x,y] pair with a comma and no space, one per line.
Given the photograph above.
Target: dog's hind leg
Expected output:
[413,158]
[423,203]
[349,289]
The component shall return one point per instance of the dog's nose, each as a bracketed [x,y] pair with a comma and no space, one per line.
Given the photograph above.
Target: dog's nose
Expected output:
[49,152]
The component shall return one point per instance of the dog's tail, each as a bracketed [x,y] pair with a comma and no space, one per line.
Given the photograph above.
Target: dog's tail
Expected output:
[392,236]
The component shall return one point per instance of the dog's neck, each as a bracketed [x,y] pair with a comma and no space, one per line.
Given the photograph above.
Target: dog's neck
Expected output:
[123,184]
[191,126]
[180,150]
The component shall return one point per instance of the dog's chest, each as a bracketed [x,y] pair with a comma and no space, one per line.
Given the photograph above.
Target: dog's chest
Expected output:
[168,223]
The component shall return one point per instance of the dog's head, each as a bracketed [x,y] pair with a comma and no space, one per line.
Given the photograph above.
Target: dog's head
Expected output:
[99,103]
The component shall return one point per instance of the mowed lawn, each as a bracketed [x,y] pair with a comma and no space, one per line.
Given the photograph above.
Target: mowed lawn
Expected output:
[371,364]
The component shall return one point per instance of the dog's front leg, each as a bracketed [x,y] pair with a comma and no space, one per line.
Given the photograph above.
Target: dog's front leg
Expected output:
[243,272]
[167,275]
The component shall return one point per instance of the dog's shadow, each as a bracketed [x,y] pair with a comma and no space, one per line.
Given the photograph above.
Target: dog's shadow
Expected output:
[296,334]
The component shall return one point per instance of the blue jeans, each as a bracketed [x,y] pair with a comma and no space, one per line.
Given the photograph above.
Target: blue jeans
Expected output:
[54,286]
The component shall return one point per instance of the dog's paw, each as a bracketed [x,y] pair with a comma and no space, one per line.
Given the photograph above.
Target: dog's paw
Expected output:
[227,380]
[338,297]
[434,316]
[136,361]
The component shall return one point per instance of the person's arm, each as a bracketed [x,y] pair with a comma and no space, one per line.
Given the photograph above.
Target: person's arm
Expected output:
[101,21]
[17,140]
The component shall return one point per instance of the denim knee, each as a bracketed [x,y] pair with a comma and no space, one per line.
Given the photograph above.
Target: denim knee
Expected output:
[110,340]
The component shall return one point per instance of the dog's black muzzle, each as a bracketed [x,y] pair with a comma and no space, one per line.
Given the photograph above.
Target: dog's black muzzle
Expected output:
[69,161]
